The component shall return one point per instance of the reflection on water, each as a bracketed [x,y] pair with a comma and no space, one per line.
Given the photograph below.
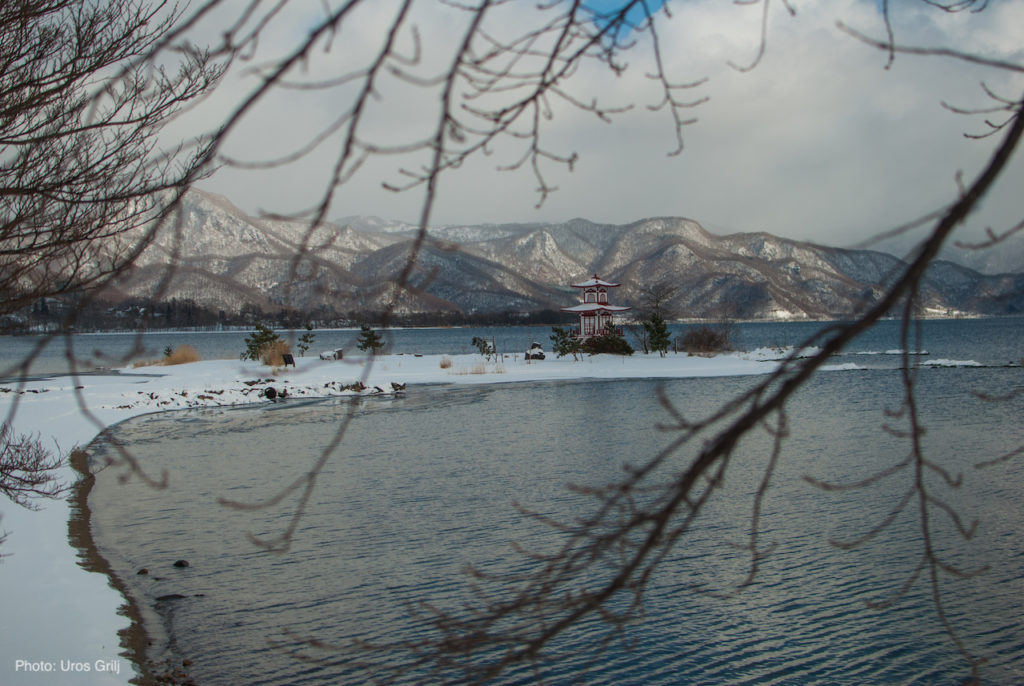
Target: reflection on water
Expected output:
[424,485]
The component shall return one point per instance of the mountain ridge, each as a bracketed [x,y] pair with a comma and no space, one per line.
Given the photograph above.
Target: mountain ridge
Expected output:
[229,260]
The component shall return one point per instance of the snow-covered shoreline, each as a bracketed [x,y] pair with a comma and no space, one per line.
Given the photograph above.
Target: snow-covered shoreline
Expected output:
[62,620]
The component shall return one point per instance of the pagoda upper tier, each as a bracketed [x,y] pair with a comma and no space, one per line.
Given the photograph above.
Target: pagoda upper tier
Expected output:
[595,282]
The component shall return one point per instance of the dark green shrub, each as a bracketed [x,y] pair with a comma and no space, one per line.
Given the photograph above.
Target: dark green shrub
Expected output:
[607,343]
[705,339]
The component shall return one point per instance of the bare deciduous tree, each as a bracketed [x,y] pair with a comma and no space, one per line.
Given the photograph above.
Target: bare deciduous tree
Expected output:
[84,183]
[656,298]
[27,469]
[83,180]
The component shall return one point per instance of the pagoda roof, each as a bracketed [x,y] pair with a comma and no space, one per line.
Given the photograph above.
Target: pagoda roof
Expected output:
[595,281]
[596,307]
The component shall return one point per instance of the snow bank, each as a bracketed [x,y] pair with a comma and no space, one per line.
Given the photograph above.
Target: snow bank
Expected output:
[62,622]
[844,367]
[951,363]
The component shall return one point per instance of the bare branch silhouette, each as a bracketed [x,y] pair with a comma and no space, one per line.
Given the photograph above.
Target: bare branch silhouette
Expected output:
[623,544]
[83,185]
[493,87]
[27,469]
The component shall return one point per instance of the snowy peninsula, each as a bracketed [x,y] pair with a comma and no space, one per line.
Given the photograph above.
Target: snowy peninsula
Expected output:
[63,621]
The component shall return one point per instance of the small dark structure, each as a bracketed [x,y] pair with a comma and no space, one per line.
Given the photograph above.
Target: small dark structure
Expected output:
[536,352]
[288,359]
[333,354]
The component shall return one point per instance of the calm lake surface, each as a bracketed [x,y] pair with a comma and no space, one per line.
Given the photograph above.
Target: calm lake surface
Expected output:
[425,484]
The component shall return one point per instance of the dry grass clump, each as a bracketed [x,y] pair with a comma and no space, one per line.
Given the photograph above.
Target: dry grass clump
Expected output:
[446,362]
[479,368]
[183,354]
[272,355]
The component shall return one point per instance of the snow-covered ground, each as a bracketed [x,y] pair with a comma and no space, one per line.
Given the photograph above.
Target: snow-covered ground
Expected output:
[61,622]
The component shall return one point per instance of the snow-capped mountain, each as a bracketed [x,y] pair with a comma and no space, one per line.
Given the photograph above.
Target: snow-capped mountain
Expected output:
[225,259]
[978,252]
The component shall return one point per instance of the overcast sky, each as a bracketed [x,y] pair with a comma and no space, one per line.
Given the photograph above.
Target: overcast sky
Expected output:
[820,141]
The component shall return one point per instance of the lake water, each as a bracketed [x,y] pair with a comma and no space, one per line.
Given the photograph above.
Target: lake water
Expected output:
[425,484]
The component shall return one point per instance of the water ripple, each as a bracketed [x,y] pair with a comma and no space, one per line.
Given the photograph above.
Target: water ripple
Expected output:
[425,487]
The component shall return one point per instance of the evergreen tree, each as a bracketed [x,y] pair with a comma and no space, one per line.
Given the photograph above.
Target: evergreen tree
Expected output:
[485,347]
[258,341]
[306,340]
[369,340]
[564,342]
[657,333]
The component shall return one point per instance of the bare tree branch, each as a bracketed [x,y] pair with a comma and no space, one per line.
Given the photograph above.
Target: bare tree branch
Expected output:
[87,191]
[27,469]
[623,544]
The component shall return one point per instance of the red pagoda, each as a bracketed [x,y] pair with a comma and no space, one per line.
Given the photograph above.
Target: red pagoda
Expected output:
[595,312]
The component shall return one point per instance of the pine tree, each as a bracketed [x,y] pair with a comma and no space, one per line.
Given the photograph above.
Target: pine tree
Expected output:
[564,342]
[306,340]
[485,347]
[369,340]
[258,341]
[657,332]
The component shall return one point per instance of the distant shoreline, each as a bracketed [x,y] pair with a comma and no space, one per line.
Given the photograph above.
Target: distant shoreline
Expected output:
[238,328]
